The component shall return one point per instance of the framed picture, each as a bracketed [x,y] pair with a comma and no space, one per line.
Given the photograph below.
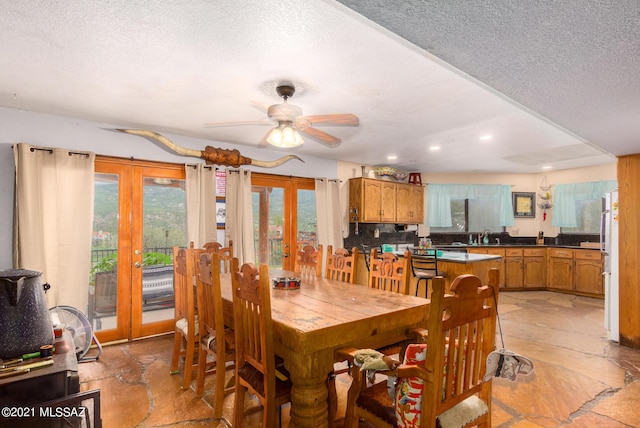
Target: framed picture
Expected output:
[524,204]
[221,212]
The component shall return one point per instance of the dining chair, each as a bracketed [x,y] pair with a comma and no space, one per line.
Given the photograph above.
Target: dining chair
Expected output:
[212,246]
[225,254]
[440,382]
[389,272]
[216,340]
[424,268]
[186,328]
[308,261]
[258,370]
[341,266]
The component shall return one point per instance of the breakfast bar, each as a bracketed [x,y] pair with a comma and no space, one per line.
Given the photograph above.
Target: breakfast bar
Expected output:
[454,263]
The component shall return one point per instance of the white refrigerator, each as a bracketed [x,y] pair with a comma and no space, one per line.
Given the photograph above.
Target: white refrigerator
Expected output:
[610,251]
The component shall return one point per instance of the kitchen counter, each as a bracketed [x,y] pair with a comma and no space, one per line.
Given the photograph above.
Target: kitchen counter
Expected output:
[451,264]
[458,257]
[461,247]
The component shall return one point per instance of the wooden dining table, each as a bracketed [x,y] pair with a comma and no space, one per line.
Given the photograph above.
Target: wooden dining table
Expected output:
[311,322]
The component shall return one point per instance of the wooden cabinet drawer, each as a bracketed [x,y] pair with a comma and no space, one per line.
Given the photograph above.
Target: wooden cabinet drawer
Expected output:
[534,252]
[588,255]
[513,252]
[496,252]
[561,253]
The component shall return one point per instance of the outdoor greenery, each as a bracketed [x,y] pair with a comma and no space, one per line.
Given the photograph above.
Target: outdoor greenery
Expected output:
[164,216]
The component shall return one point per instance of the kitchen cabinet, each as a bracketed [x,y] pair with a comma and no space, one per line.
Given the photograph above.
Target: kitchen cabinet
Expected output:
[381,201]
[534,268]
[537,267]
[588,266]
[409,203]
[513,268]
[560,268]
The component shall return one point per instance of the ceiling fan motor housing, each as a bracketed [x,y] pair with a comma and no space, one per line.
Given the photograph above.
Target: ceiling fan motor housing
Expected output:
[284,111]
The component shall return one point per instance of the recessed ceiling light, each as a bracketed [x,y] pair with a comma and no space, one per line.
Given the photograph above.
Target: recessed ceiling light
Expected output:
[434,148]
[486,137]
[392,157]
[546,167]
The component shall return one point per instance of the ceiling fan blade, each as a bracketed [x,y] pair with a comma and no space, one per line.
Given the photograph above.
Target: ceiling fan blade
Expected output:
[263,142]
[263,107]
[320,136]
[346,119]
[264,121]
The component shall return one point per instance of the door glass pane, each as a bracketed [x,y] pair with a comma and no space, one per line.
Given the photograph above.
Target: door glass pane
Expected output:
[307,228]
[268,224]
[164,226]
[103,284]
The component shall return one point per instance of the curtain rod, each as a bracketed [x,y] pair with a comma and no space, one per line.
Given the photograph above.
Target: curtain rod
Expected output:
[33,149]
[195,165]
[330,179]
[237,171]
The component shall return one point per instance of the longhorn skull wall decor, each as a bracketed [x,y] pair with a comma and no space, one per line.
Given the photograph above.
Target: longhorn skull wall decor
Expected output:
[212,155]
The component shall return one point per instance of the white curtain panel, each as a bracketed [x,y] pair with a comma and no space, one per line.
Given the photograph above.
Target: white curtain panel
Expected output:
[239,221]
[328,213]
[201,204]
[53,220]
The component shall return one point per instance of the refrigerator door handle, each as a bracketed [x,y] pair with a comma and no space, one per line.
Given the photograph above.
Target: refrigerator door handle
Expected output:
[603,220]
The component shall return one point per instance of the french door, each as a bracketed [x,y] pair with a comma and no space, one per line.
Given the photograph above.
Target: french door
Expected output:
[139,215]
[284,216]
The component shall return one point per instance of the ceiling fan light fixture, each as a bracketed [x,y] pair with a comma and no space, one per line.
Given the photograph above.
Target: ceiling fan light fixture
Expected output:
[284,135]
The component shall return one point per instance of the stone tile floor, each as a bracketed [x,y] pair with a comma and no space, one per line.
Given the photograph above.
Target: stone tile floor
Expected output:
[580,378]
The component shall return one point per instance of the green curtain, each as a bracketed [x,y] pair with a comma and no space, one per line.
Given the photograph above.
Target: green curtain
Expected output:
[566,196]
[439,198]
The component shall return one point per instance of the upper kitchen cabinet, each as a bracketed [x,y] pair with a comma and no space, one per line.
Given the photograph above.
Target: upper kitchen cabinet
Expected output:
[380,201]
[409,203]
[374,200]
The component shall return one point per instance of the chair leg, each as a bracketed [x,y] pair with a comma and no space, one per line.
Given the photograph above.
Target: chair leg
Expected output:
[177,346]
[238,406]
[418,286]
[219,397]
[269,415]
[188,364]
[332,398]
[202,368]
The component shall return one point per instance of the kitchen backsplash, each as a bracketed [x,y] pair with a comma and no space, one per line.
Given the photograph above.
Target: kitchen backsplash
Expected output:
[378,234]
[386,234]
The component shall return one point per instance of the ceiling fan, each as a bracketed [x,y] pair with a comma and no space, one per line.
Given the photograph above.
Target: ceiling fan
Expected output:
[291,123]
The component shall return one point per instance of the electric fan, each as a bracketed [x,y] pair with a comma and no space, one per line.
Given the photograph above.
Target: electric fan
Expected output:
[78,325]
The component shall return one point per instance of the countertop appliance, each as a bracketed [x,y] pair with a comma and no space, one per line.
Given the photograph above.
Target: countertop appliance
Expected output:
[609,249]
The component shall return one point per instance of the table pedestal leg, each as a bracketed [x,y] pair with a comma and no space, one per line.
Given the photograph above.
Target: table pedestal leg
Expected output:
[309,393]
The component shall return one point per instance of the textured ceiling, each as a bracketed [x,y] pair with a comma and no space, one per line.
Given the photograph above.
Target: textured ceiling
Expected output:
[575,62]
[552,84]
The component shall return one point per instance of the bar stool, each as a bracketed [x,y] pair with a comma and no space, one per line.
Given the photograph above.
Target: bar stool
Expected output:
[415,178]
